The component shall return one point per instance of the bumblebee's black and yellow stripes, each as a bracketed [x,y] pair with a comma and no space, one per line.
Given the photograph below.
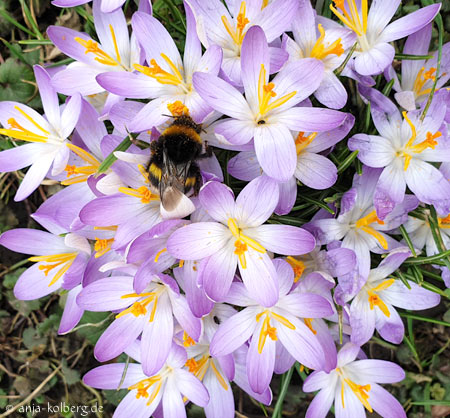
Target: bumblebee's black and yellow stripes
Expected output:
[173,161]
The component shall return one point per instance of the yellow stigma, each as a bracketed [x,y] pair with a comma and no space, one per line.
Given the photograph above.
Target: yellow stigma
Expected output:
[364,224]
[142,193]
[91,168]
[63,260]
[361,391]
[267,330]
[187,341]
[144,385]
[350,16]
[174,78]
[178,108]
[308,323]
[429,142]
[100,56]
[375,299]
[140,306]
[444,222]
[301,142]
[17,131]
[102,246]
[298,266]
[237,35]
[320,51]
[242,241]
[421,79]
[266,93]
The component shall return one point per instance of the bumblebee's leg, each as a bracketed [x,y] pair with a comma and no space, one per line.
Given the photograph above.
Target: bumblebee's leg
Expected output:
[208,152]
[194,179]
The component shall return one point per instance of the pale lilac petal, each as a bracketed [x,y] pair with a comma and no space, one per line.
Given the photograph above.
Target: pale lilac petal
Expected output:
[221,96]
[137,408]
[288,196]
[153,114]
[173,405]
[374,151]
[390,189]
[245,166]
[406,99]
[191,387]
[321,403]
[378,371]
[283,239]
[410,23]
[33,284]
[70,114]
[111,5]
[20,157]
[384,403]
[311,119]
[72,312]
[77,78]
[193,47]
[157,337]
[256,202]
[307,305]
[218,271]
[197,241]
[331,91]
[304,25]
[210,61]
[315,171]
[185,318]
[362,320]
[118,336]
[218,200]
[375,60]
[260,365]
[32,241]
[221,404]
[48,95]
[416,298]
[237,132]
[109,376]
[348,406]
[135,86]
[9,110]
[232,333]
[275,150]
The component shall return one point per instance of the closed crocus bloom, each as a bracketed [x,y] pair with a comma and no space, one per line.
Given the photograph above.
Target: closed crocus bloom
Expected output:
[168,388]
[373,33]
[46,133]
[354,386]
[374,305]
[405,148]
[268,112]
[239,238]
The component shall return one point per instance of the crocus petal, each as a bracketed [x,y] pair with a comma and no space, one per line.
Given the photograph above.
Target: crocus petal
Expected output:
[249,209]
[416,298]
[70,115]
[375,60]
[33,284]
[260,365]
[136,86]
[221,96]
[218,199]
[191,387]
[307,305]
[48,95]
[77,78]
[374,151]
[232,333]
[380,14]
[348,405]
[321,404]
[109,376]
[362,320]
[288,196]
[331,91]
[390,189]
[409,24]
[237,132]
[311,119]
[244,166]
[384,403]
[19,157]
[32,241]
[173,405]
[379,371]
[316,171]
[72,312]
[138,408]
[221,404]
[283,239]
[185,318]
[275,150]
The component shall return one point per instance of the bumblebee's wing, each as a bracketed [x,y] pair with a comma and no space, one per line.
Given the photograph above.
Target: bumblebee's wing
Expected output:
[176,204]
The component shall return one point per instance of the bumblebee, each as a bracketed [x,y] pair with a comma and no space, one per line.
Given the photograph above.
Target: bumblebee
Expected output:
[173,169]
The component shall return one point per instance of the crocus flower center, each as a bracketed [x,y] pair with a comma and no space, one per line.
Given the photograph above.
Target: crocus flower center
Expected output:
[429,142]
[178,108]
[351,17]
[62,261]
[19,132]
[144,385]
[360,391]
[237,34]
[174,78]
[308,323]
[139,307]
[266,93]
[187,341]
[243,242]
[302,141]
[364,225]
[91,168]
[269,331]
[200,367]
[375,300]
[444,222]
[142,193]
[421,79]
[320,51]
[102,246]
[298,266]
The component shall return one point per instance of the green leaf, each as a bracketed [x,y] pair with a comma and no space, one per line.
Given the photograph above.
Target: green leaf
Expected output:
[92,325]
[13,81]
[11,278]
[49,324]
[31,338]
[72,376]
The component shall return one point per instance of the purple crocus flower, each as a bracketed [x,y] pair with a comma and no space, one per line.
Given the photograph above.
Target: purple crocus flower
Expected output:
[404,149]
[167,78]
[239,238]
[60,261]
[353,386]
[268,112]
[266,327]
[48,135]
[313,169]
[227,26]
[107,6]
[169,387]
[372,32]
[115,52]
[311,40]
[418,76]
[149,313]
[358,225]
[373,307]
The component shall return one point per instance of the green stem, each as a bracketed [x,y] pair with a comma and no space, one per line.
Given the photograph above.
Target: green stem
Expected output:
[284,388]
[111,158]
[412,57]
